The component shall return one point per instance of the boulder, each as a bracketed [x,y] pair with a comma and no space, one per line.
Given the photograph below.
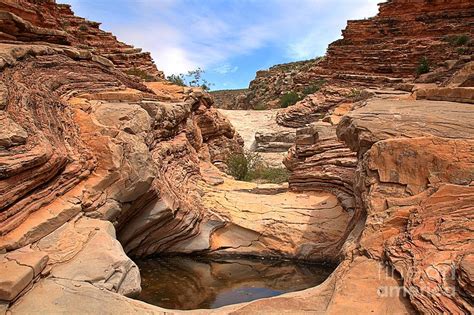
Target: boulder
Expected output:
[11,133]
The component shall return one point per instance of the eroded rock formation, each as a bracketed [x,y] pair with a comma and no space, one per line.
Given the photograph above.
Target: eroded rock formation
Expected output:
[45,20]
[88,153]
[84,145]
[230,99]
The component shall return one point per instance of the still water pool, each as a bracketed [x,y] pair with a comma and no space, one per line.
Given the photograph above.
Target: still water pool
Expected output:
[185,283]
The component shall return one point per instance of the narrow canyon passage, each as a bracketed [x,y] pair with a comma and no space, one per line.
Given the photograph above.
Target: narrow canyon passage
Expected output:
[270,240]
[261,133]
[126,191]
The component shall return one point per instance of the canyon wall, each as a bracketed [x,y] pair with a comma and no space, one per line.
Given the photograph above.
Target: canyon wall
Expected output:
[230,99]
[97,165]
[30,21]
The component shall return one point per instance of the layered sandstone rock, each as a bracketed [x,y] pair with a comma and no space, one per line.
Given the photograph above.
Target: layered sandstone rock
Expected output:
[319,161]
[379,52]
[26,20]
[230,99]
[87,141]
[414,181]
[393,42]
[263,219]
[459,87]
[87,152]
[269,85]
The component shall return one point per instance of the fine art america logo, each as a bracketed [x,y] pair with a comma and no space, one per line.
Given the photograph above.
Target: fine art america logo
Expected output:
[439,280]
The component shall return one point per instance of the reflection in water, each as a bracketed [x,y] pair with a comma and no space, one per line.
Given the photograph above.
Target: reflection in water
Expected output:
[185,283]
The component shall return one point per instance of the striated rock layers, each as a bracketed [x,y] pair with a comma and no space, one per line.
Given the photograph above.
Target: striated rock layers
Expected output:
[84,151]
[386,51]
[95,166]
[415,183]
[412,243]
[230,99]
[45,20]
[266,89]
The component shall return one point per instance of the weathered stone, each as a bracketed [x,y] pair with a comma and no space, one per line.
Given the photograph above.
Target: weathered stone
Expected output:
[258,222]
[3,96]
[11,134]
[14,278]
[417,200]
[382,119]
[101,261]
[319,161]
[103,145]
[27,257]
[465,275]
[230,99]
[456,94]
[51,22]
[58,296]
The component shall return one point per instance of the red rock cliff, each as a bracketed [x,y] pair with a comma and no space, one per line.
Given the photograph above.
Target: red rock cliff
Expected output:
[45,20]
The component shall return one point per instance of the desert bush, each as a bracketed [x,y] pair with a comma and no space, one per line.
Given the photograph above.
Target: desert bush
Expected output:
[83,28]
[193,78]
[249,167]
[457,40]
[177,79]
[275,175]
[260,106]
[240,164]
[288,99]
[355,94]
[313,88]
[423,67]
[140,73]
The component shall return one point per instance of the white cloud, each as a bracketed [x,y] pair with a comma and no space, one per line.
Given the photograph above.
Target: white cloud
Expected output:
[183,34]
[226,68]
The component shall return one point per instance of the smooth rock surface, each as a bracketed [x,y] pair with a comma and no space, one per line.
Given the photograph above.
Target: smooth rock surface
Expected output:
[384,119]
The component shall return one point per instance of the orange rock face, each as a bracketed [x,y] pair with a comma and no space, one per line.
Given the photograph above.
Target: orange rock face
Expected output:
[379,52]
[95,166]
[26,20]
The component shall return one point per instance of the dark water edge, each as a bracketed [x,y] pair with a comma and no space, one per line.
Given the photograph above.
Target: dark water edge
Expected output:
[187,283]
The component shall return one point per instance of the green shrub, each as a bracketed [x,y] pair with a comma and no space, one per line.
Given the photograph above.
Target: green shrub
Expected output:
[249,166]
[457,40]
[83,28]
[288,99]
[177,79]
[462,40]
[462,50]
[355,94]
[423,67]
[260,106]
[275,175]
[240,164]
[140,73]
[313,88]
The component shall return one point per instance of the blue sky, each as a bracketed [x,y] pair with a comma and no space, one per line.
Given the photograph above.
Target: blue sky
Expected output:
[229,39]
